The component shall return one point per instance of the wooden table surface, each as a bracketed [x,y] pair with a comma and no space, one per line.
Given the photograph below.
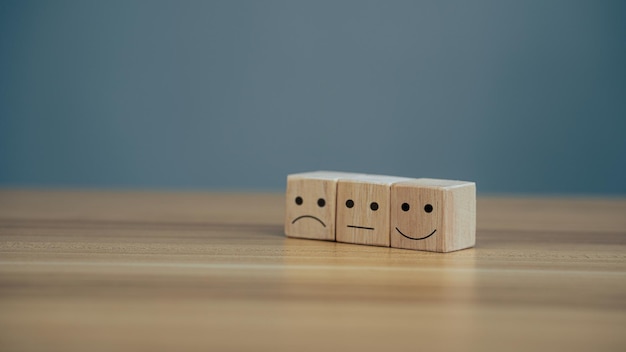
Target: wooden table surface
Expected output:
[157,271]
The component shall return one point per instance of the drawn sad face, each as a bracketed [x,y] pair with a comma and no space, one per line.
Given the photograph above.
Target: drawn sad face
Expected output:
[310,209]
[416,216]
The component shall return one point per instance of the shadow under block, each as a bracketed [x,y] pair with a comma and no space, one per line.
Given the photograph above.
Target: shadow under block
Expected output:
[363,209]
[433,215]
[311,204]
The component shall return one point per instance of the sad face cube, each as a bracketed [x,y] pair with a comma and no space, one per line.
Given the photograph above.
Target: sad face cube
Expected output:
[310,204]
[433,215]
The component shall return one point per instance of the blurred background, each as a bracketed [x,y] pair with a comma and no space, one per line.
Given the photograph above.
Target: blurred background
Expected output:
[519,96]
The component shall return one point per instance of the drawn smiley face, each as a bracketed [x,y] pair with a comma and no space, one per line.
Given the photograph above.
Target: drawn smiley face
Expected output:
[416,216]
[428,209]
[433,215]
[310,209]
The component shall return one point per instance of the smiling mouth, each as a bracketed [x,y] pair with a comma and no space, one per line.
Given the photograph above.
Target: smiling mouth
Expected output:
[308,216]
[417,239]
[361,227]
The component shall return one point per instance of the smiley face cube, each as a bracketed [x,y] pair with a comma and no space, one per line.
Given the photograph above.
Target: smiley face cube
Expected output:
[310,204]
[433,215]
[363,209]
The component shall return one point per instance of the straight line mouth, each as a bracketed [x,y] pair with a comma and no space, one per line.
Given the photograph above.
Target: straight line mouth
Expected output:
[361,227]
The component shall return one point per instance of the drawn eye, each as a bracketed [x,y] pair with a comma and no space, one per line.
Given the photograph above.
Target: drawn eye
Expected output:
[299,200]
[428,208]
[321,202]
[405,206]
[349,203]
[374,206]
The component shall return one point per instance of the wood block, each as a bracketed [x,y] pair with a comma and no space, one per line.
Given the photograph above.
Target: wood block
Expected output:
[363,209]
[311,204]
[433,215]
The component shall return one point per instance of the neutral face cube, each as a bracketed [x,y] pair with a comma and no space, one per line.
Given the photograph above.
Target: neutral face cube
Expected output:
[311,204]
[433,215]
[363,210]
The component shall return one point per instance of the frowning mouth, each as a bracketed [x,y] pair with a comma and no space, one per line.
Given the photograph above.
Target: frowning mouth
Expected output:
[308,216]
[361,227]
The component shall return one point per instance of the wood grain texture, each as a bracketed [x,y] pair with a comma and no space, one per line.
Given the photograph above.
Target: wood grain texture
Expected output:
[198,271]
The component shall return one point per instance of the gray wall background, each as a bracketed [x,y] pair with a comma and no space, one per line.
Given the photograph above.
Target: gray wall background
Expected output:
[519,96]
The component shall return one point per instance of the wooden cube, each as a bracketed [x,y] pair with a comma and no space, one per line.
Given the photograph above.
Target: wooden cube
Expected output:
[433,215]
[311,204]
[363,209]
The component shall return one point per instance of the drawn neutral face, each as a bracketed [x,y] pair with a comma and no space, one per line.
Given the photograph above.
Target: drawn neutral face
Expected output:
[416,214]
[310,209]
[363,213]
[360,222]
